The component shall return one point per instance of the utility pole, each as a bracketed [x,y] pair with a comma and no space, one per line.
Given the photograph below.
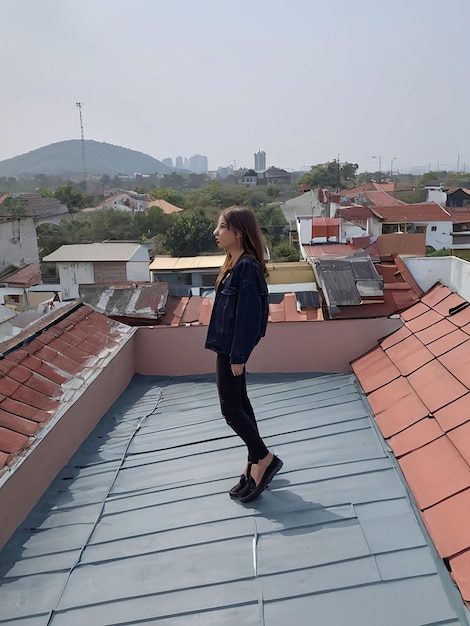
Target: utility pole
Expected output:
[79,106]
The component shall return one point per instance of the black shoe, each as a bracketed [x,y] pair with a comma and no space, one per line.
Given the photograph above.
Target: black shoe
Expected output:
[240,486]
[254,490]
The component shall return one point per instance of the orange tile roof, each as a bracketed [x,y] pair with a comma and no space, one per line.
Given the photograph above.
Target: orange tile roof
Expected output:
[382,198]
[421,399]
[423,212]
[34,372]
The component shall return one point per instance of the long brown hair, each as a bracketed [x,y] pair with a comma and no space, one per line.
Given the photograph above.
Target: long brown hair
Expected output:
[242,220]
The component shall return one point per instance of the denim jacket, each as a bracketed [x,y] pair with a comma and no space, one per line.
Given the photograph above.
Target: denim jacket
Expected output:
[240,312]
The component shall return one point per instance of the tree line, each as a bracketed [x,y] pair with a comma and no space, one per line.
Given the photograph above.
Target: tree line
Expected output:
[188,233]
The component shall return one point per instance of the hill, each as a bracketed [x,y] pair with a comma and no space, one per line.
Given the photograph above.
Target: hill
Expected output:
[65,159]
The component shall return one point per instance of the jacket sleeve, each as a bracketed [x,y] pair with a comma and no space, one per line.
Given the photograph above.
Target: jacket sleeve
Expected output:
[248,314]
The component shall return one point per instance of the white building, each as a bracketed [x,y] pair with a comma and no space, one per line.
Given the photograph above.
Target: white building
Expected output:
[99,263]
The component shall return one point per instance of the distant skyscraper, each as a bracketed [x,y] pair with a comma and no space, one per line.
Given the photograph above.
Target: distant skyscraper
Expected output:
[260,161]
[198,164]
[168,161]
[179,162]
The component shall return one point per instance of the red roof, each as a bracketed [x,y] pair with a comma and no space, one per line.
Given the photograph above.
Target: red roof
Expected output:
[382,198]
[422,212]
[27,276]
[33,372]
[418,385]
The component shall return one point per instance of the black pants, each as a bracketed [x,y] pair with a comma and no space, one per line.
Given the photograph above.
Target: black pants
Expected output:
[236,408]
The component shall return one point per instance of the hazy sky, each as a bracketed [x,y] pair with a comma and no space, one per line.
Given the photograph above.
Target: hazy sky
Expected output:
[303,80]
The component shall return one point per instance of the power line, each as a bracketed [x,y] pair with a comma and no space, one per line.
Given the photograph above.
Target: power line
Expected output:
[79,106]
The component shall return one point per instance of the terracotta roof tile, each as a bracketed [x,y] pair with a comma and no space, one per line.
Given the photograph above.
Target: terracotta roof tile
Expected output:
[435,295]
[409,355]
[417,309]
[24,410]
[462,317]
[444,306]
[460,565]
[8,386]
[447,342]
[401,414]
[438,329]
[12,442]
[433,482]
[17,424]
[436,385]
[454,414]
[395,337]
[457,361]
[34,371]
[415,436]
[375,370]
[424,414]
[426,320]
[460,437]
[448,524]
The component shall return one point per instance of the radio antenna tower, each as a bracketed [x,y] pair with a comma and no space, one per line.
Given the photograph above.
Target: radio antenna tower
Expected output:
[79,106]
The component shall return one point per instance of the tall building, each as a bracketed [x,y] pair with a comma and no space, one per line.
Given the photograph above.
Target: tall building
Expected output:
[198,164]
[179,162]
[168,161]
[260,161]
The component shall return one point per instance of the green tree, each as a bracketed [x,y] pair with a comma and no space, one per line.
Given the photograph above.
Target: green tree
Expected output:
[331,174]
[170,195]
[14,207]
[190,234]
[73,197]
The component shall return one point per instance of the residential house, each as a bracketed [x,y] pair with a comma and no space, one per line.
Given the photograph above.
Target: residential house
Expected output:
[95,263]
[119,430]
[276,176]
[429,218]
[458,197]
[187,275]
[44,210]
[249,178]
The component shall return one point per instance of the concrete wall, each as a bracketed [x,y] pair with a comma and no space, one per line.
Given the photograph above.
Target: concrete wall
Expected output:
[326,346]
[19,243]
[450,271]
[138,270]
[74,274]
[24,484]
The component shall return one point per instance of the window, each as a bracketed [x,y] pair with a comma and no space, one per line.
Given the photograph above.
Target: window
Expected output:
[433,228]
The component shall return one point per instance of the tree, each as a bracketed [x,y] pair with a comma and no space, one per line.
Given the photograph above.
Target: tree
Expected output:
[14,207]
[72,197]
[190,234]
[330,174]
[170,195]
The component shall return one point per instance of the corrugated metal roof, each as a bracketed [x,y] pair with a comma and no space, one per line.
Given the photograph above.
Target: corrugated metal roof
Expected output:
[418,384]
[170,264]
[26,275]
[142,300]
[76,253]
[139,528]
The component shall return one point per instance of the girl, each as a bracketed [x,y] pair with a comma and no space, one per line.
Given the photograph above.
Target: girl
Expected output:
[238,321]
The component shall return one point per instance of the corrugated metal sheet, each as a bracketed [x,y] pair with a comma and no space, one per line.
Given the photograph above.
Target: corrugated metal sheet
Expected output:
[139,529]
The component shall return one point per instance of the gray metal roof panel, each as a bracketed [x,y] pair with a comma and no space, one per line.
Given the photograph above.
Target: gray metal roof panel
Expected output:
[139,529]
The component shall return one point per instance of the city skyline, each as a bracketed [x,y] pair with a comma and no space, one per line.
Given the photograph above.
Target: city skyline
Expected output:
[178,78]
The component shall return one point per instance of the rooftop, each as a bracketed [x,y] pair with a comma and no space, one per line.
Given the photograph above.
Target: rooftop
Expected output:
[138,528]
